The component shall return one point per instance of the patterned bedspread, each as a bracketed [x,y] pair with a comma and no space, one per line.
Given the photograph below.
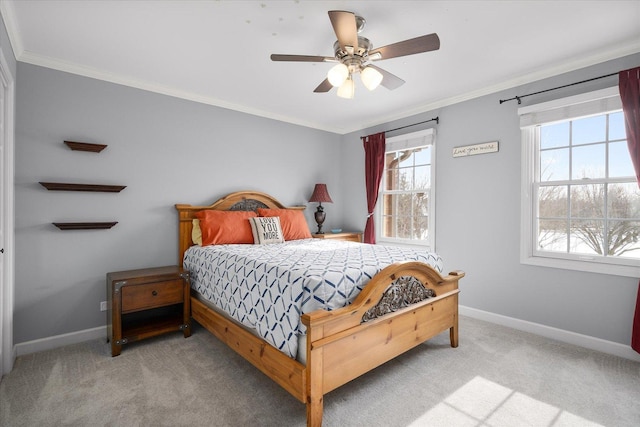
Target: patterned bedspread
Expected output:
[268,287]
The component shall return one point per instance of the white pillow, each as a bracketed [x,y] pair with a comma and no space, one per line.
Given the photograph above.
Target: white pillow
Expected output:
[266,230]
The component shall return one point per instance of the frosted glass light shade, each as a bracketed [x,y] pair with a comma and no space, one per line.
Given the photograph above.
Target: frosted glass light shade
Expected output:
[337,75]
[347,89]
[371,78]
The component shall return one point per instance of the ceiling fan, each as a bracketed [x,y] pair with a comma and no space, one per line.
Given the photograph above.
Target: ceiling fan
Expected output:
[354,55]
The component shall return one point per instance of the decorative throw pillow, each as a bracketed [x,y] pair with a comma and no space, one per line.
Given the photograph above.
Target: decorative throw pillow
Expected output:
[293,223]
[266,230]
[196,232]
[225,227]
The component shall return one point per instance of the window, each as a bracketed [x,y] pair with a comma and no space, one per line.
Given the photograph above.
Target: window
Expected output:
[581,201]
[405,210]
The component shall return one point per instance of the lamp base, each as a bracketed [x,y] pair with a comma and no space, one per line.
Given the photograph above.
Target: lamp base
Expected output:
[320,216]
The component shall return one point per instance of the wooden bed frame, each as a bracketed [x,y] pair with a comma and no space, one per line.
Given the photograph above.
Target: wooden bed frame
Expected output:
[340,346]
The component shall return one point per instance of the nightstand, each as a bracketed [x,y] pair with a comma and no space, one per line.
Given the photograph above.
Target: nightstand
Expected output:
[354,236]
[145,303]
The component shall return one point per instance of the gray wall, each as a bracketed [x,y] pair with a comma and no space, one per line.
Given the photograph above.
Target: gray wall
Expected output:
[171,151]
[478,215]
[166,151]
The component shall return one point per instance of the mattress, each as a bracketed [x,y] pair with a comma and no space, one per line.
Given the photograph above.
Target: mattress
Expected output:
[268,287]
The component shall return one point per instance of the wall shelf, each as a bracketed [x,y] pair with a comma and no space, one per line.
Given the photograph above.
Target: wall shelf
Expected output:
[59,186]
[84,225]
[65,186]
[85,146]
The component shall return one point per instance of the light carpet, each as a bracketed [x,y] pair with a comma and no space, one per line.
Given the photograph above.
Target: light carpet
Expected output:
[496,377]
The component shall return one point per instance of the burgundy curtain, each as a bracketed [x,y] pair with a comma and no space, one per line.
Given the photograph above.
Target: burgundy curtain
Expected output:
[374,146]
[629,85]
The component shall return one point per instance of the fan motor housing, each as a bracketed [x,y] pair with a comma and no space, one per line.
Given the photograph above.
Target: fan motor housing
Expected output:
[360,53]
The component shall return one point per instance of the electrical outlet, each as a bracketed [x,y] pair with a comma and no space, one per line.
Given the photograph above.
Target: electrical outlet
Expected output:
[103,306]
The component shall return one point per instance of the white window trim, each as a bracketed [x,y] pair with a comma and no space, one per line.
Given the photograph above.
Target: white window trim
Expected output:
[395,144]
[561,109]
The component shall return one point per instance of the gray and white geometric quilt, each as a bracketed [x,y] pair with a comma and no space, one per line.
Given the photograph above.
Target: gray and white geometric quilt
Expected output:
[268,287]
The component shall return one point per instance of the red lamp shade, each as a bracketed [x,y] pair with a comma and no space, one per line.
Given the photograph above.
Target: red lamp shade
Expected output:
[321,194]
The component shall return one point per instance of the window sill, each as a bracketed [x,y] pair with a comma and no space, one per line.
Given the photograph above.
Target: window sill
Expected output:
[584,266]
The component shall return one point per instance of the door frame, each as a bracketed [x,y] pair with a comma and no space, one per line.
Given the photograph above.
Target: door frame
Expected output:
[7,109]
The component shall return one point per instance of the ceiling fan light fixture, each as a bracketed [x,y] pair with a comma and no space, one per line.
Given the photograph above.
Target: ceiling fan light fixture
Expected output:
[338,74]
[353,52]
[371,78]
[348,89]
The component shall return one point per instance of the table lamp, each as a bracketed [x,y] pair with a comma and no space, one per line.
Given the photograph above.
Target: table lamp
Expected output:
[320,194]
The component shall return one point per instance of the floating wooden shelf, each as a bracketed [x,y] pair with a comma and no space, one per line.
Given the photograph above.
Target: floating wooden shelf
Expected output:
[84,225]
[59,186]
[85,146]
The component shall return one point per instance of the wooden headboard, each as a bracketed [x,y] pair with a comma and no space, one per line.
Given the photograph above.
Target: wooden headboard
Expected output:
[238,201]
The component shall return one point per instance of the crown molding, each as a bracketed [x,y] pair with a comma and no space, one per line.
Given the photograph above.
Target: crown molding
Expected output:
[72,68]
[47,62]
[573,65]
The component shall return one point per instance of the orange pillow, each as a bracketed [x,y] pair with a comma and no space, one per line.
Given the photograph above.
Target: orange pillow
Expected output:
[294,225]
[225,227]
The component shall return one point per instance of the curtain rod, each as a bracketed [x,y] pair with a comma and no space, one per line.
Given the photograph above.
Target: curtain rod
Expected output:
[559,87]
[435,119]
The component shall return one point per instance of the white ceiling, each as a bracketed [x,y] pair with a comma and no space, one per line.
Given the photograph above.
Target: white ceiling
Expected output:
[217,52]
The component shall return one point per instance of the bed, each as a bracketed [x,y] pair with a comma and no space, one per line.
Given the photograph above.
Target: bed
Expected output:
[340,342]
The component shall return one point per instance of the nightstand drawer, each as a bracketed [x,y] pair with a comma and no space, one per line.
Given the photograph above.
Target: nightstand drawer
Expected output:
[150,295]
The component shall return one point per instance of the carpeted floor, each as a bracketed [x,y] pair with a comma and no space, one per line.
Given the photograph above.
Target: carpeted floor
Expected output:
[496,377]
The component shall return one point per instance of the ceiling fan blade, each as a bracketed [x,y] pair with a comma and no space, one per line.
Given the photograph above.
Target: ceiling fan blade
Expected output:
[408,47]
[390,81]
[301,58]
[325,86]
[345,27]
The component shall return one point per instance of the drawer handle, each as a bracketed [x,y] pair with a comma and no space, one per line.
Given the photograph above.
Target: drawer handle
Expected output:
[154,293]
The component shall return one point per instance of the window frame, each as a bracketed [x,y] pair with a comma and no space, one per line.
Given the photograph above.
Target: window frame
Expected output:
[570,108]
[399,143]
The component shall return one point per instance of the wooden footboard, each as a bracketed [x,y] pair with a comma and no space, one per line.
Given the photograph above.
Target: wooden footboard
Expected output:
[341,346]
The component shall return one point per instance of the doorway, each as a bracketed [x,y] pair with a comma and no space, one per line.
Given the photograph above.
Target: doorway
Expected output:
[7,105]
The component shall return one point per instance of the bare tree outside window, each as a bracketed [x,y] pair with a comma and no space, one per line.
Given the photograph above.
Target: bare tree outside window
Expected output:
[588,200]
[405,195]
[604,220]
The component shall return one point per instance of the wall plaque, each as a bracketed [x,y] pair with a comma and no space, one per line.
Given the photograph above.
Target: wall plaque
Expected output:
[472,150]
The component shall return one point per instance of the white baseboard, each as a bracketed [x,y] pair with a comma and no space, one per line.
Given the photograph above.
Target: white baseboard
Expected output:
[585,341]
[56,341]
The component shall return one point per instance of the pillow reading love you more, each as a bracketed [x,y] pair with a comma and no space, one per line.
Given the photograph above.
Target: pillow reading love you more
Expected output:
[266,230]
